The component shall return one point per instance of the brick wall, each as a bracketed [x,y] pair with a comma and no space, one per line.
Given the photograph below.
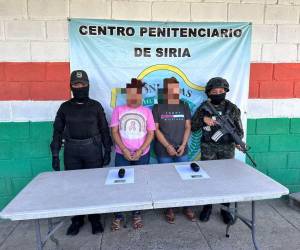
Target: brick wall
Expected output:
[276,149]
[34,81]
[24,153]
[37,30]
[270,80]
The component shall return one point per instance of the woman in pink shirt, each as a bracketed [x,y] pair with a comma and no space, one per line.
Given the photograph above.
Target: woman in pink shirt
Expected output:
[132,130]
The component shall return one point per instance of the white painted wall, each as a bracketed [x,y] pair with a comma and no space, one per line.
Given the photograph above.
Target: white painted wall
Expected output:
[36,30]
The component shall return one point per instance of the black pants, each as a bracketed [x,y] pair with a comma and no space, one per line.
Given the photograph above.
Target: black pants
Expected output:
[83,156]
[209,206]
[80,218]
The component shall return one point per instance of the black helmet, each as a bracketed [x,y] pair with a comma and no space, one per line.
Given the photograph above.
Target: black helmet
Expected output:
[216,82]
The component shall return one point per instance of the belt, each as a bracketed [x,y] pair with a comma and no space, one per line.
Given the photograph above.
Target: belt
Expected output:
[80,142]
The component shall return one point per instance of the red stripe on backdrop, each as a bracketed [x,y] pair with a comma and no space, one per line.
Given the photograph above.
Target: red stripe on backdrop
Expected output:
[34,81]
[50,80]
[274,81]
[284,71]
[297,89]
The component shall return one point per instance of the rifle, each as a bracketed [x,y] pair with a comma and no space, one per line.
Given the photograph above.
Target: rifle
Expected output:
[227,127]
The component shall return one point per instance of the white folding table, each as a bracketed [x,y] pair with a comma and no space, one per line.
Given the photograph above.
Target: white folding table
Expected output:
[230,181]
[78,192]
[68,193]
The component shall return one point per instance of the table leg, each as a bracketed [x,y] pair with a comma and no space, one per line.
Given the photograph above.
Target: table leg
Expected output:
[51,233]
[250,223]
[253,229]
[39,243]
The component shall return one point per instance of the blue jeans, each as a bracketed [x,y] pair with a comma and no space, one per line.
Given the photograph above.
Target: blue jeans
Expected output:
[170,159]
[121,161]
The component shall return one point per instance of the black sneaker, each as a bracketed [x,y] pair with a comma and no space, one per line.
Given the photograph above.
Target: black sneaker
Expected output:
[227,217]
[205,214]
[97,227]
[74,228]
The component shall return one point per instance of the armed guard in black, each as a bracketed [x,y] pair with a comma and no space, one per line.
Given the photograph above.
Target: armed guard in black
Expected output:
[81,126]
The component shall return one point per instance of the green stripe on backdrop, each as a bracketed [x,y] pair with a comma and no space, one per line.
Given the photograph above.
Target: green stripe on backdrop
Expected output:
[275,146]
[25,152]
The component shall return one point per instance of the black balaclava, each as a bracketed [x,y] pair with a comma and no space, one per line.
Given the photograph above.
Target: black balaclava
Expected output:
[217,99]
[80,76]
[81,94]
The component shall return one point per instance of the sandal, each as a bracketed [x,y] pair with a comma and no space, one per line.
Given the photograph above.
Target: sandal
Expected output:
[189,213]
[116,224]
[137,222]
[170,216]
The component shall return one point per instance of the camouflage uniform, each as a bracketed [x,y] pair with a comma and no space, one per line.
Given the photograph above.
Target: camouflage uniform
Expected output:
[213,151]
[224,147]
[214,144]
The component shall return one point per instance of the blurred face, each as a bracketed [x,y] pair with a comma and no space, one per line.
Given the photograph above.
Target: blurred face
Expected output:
[172,94]
[79,85]
[216,91]
[134,98]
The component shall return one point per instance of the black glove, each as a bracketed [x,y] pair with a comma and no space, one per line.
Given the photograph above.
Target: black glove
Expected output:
[106,158]
[55,163]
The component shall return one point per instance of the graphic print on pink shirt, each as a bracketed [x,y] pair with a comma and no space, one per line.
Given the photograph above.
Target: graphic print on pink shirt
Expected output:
[134,124]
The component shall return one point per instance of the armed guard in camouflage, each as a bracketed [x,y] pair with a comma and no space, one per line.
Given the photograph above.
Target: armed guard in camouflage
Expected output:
[215,144]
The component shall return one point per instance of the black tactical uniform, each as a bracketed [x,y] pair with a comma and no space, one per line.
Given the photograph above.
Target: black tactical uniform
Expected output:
[82,125]
[214,146]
